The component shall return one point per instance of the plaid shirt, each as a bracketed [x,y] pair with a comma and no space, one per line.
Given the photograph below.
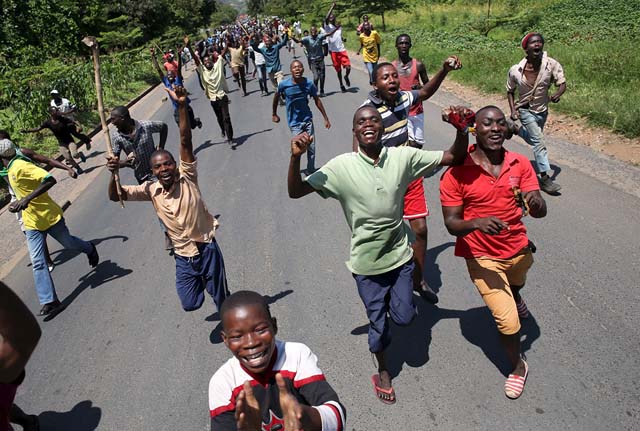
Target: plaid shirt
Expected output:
[140,144]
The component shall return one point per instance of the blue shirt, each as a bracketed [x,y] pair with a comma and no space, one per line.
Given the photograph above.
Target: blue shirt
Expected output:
[272,55]
[177,82]
[297,98]
[314,46]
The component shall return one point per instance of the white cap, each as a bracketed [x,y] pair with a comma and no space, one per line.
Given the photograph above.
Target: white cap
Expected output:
[54,92]
[7,149]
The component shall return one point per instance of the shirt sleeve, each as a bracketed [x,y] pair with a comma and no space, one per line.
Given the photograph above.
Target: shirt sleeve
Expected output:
[450,190]
[141,192]
[512,81]
[30,171]
[313,90]
[377,37]
[558,73]
[221,402]
[325,181]
[422,162]
[528,179]
[189,170]
[414,97]
[155,126]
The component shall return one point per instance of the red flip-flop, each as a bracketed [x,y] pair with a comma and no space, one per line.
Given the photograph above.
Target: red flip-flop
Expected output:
[375,379]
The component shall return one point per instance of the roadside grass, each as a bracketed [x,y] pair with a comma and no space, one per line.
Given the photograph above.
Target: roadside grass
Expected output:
[595,42]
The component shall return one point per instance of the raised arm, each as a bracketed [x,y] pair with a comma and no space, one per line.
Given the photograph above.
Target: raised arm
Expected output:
[187,43]
[19,333]
[326,18]
[179,72]
[461,118]
[154,60]
[186,145]
[163,136]
[296,187]
[451,63]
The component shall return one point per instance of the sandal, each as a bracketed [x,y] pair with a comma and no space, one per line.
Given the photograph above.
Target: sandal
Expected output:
[379,391]
[514,386]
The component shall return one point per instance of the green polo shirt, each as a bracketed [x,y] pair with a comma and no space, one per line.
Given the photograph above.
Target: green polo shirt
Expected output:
[372,199]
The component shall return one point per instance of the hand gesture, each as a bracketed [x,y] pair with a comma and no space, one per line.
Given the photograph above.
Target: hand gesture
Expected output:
[452,63]
[299,144]
[19,205]
[72,173]
[248,417]
[113,163]
[459,117]
[275,118]
[534,200]
[515,115]
[327,124]
[291,409]
[555,98]
[178,93]
[490,225]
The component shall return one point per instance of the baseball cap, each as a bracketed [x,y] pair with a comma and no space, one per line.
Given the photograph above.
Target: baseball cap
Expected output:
[7,149]
[55,92]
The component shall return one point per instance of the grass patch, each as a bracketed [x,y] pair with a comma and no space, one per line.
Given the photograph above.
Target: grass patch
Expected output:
[595,41]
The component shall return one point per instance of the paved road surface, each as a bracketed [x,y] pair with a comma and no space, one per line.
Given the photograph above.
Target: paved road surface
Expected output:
[124,356]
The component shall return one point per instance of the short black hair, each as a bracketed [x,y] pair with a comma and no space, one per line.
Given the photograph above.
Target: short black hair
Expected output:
[379,66]
[160,151]
[121,111]
[362,108]
[403,35]
[486,108]
[243,298]
[4,135]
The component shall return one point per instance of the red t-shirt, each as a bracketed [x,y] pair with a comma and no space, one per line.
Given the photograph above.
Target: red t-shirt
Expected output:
[483,195]
[171,65]
[409,79]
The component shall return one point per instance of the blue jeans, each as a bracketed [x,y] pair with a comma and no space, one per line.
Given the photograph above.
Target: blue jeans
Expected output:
[307,126]
[531,132]
[35,242]
[388,293]
[370,67]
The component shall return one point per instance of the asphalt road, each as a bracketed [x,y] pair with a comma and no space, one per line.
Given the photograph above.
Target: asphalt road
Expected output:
[124,356]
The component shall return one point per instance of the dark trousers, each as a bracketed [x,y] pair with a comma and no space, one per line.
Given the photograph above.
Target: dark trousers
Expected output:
[221,108]
[192,117]
[203,272]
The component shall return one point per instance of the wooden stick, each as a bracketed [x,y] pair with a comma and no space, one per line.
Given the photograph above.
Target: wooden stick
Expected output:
[243,29]
[92,43]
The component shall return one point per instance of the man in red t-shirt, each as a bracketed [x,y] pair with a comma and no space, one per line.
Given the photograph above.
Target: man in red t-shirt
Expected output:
[483,202]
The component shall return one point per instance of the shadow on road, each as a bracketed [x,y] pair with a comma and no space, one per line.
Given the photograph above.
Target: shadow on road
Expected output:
[242,139]
[105,272]
[216,338]
[432,273]
[82,417]
[61,256]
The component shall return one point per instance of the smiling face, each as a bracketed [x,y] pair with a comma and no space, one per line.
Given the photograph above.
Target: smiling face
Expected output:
[249,332]
[535,46]
[491,128]
[368,128]
[386,82]
[164,168]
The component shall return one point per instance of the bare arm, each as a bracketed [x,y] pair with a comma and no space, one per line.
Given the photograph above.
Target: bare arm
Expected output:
[113,164]
[326,18]
[19,335]
[429,89]
[458,151]
[555,98]
[320,106]
[461,118]
[512,106]
[163,136]
[296,187]
[274,107]
[422,72]
[537,205]
[186,144]
[48,161]
[187,43]
[23,203]
[179,72]
[34,130]
[457,226]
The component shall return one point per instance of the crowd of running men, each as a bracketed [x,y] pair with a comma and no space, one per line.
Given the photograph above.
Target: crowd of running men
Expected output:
[485,192]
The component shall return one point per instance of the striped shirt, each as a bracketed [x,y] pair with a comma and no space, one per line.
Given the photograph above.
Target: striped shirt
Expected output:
[394,118]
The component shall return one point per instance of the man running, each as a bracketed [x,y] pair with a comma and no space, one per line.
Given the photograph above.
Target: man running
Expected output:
[369,41]
[339,55]
[211,71]
[370,186]
[296,92]
[271,53]
[532,78]
[64,129]
[483,203]
[64,106]
[237,52]
[394,104]
[178,202]
[174,79]
[41,217]
[315,54]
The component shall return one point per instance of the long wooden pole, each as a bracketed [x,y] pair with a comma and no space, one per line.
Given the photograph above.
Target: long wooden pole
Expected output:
[92,43]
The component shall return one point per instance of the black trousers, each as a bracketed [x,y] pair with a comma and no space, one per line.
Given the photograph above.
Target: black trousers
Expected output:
[221,108]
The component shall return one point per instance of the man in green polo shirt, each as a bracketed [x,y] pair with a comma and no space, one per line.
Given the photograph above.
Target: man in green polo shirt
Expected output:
[370,185]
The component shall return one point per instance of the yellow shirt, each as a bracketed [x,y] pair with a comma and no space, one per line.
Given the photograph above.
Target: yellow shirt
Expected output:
[370,44]
[213,81]
[237,56]
[181,209]
[25,177]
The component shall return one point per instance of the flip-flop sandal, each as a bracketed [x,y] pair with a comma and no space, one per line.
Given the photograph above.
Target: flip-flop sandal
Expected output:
[375,379]
[514,386]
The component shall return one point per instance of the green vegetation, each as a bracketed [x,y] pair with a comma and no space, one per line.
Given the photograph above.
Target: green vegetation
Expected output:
[595,41]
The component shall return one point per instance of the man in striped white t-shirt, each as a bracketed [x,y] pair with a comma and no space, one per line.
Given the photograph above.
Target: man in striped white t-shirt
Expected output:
[393,105]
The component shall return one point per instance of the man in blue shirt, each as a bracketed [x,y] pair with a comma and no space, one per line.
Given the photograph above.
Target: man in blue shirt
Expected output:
[271,53]
[296,91]
[170,81]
